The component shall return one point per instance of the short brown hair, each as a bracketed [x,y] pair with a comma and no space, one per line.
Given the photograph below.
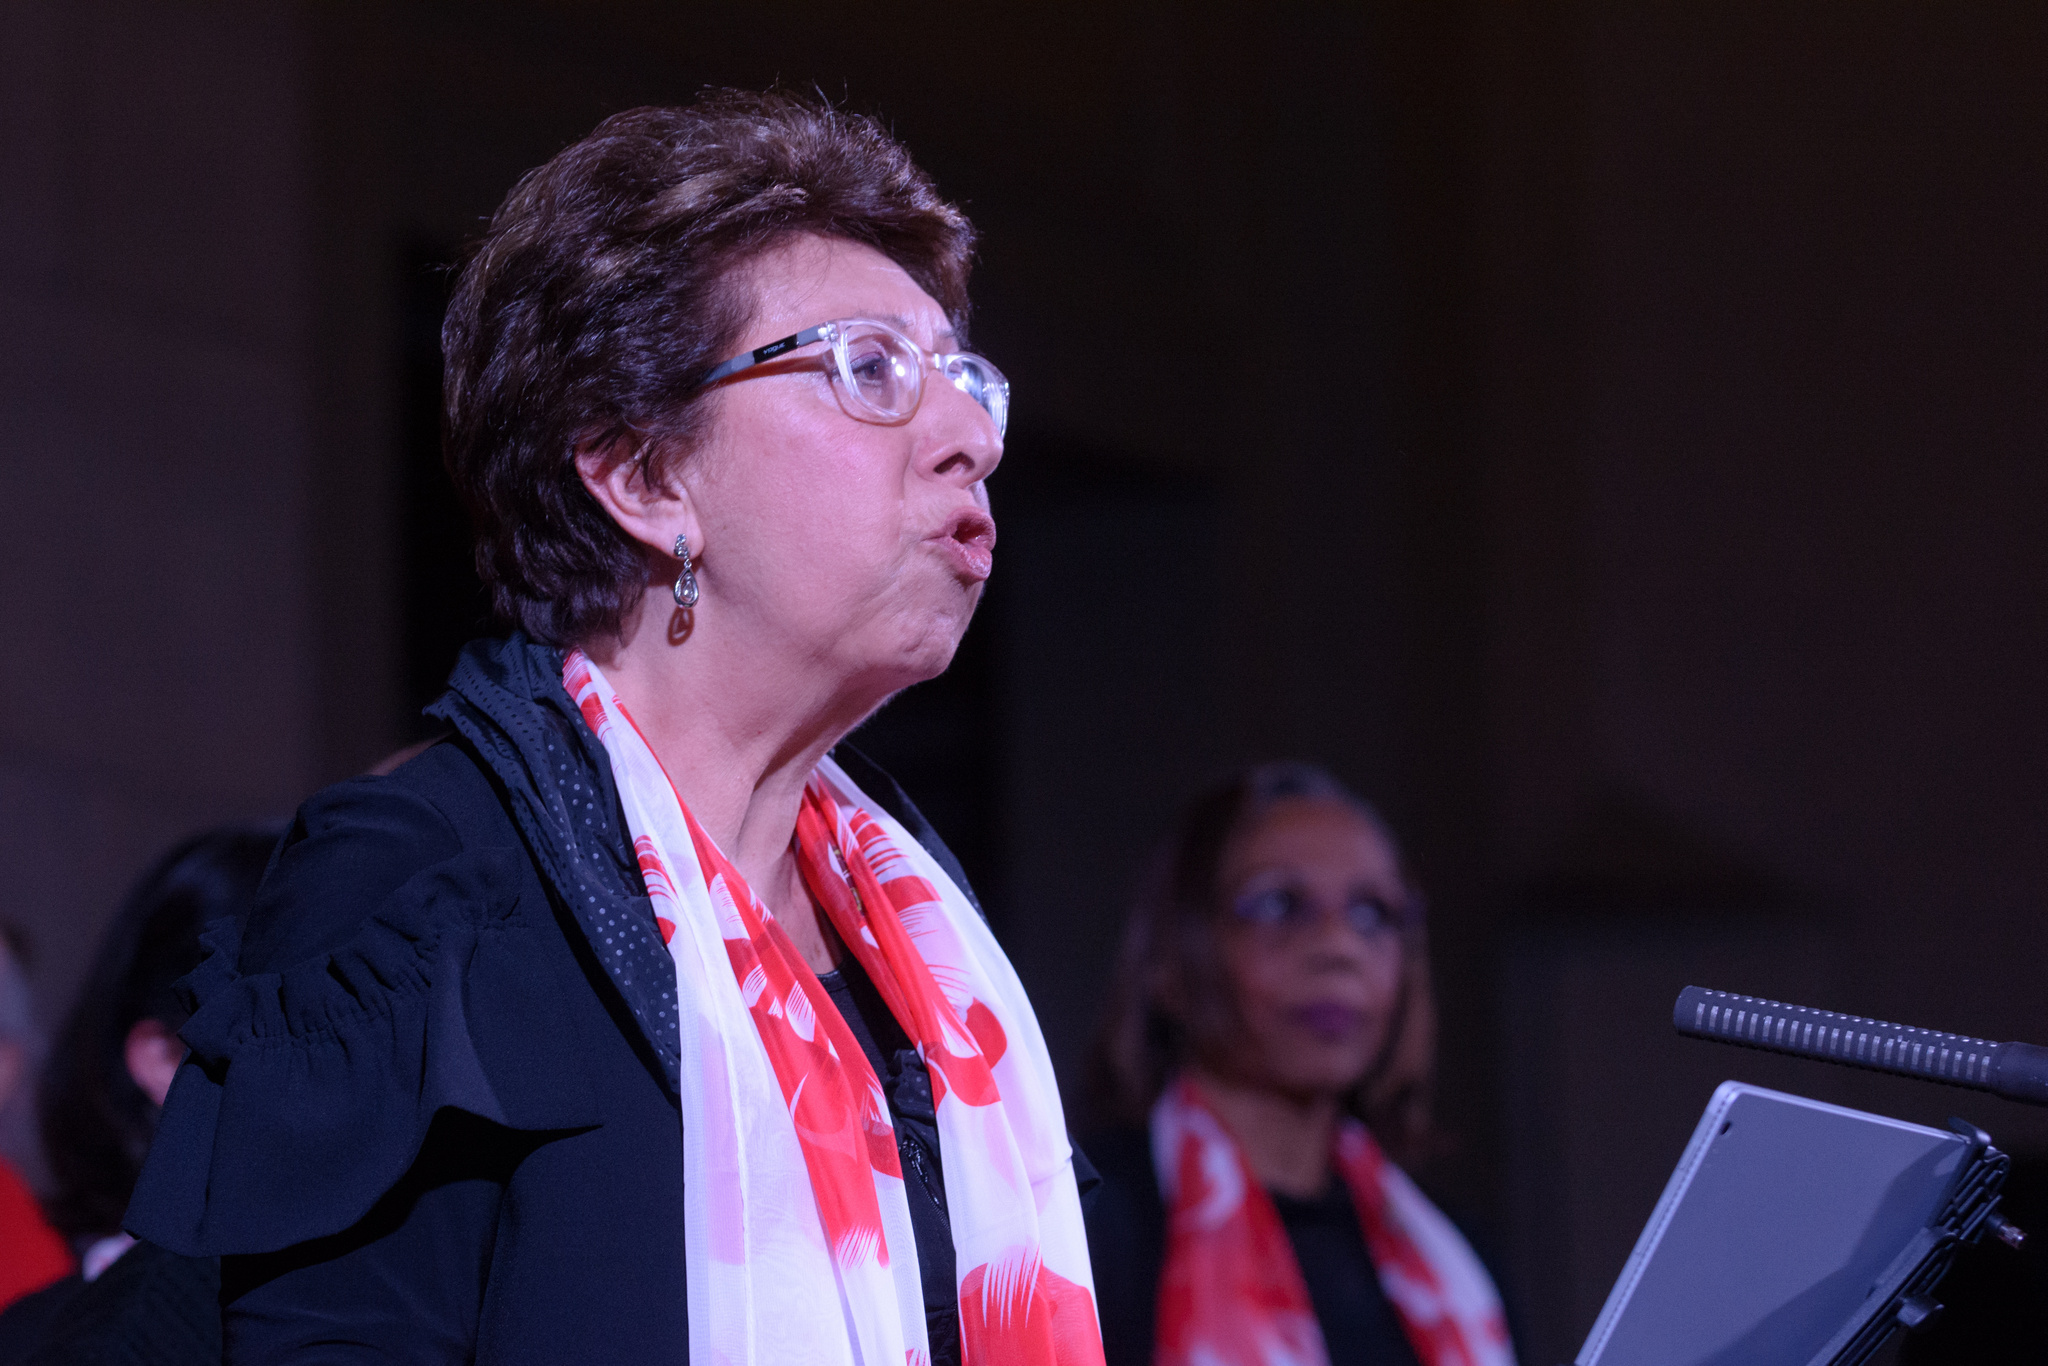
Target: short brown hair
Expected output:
[1171,1001]
[608,283]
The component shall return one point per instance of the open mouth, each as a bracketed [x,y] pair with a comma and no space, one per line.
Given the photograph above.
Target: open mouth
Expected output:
[969,540]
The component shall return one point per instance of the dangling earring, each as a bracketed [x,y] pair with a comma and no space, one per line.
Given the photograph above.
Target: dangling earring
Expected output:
[686,582]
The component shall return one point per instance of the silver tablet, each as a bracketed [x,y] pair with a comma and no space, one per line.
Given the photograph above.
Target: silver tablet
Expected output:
[1782,1221]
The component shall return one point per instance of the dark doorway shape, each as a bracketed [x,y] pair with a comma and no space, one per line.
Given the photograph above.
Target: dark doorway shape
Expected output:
[444,603]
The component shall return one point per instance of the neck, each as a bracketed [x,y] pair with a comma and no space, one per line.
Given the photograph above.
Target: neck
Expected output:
[1286,1139]
[739,729]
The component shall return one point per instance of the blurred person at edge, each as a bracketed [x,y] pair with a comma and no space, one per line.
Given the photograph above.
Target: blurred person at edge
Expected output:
[102,1089]
[641,1018]
[1269,1048]
[32,1255]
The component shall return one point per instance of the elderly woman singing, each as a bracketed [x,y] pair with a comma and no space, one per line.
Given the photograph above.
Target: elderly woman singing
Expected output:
[636,1021]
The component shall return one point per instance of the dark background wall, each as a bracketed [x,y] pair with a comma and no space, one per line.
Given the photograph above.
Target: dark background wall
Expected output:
[1609,434]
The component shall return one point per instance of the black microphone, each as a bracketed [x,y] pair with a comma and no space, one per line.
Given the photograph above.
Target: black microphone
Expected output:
[2016,1071]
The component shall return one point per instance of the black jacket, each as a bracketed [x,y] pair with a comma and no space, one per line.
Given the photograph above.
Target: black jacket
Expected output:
[430,1110]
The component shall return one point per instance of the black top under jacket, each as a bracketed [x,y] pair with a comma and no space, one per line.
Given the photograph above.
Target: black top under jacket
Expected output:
[430,1111]
[1127,1244]
[149,1308]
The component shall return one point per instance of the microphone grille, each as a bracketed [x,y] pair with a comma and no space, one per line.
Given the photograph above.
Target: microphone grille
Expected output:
[1833,1037]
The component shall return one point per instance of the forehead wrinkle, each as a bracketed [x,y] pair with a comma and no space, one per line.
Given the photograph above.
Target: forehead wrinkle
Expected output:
[790,280]
[907,325]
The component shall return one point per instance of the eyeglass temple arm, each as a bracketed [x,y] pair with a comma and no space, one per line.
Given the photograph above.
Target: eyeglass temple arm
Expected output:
[822,332]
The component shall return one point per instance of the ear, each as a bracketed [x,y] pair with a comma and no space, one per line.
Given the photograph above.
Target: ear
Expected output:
[652,512]
[1166,988]
[153,1053]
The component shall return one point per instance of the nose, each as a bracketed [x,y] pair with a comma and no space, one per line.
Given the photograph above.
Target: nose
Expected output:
[1334,938]
[959,443]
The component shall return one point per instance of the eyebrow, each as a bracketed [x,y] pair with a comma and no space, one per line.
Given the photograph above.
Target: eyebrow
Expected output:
[908,327]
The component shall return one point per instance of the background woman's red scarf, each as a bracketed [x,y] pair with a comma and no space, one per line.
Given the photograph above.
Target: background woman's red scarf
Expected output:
[796,1230]
[1232,1293]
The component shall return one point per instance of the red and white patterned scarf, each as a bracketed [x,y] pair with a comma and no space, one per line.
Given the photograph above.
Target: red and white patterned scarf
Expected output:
[1232,1293]
[796,1231]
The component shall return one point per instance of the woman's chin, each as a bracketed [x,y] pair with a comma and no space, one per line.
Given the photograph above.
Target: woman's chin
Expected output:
[873,682]
[1324,1068]
[927,645]
[912,667]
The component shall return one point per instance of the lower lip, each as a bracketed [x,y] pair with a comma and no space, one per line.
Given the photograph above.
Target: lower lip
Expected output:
[971,559]
[1330,1023]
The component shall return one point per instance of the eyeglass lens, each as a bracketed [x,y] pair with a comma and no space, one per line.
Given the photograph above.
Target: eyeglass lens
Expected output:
[983,385]
[883,371]
[1290,909]
[885,375]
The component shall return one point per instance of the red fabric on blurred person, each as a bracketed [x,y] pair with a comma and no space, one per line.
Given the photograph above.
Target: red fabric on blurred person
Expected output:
[31,1254]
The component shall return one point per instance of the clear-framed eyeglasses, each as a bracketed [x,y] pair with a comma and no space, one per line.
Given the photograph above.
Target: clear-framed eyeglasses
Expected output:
[881,372]
[1288,910]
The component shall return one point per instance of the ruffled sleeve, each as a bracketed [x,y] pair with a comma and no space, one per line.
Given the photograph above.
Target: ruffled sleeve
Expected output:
[310,1088]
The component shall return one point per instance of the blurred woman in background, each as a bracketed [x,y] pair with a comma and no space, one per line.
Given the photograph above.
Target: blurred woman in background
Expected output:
[102,1090]
[1269,1050]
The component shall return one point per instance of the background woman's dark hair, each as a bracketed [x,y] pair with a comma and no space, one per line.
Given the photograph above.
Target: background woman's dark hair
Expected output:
[96,1122]
[1171,1000]
[609,281]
